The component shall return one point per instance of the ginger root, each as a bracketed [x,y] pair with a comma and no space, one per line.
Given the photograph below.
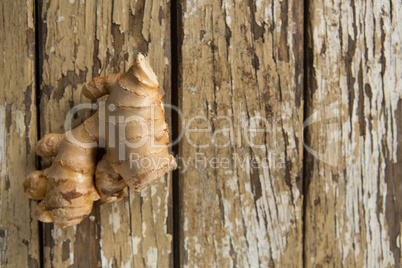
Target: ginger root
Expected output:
[136,134]
[136,141]
[66,187]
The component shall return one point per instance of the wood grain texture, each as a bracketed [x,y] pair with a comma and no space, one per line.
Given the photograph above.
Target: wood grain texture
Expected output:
[19,237]
[353,208]
[240,190]
[82,40]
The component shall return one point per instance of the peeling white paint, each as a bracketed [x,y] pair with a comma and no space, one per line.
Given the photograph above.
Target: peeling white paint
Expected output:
[191,8]
[228,172]
[114,218]
[127,264]
[135,243]
[185,224]
[159,202]
[193,90]
[144,229]
[152,257]
[144,194]
[153,190]
[231,183]
[19,120]
[71,251]
[105,261]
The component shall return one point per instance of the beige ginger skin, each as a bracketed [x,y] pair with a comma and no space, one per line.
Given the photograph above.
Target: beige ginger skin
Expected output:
[136,141]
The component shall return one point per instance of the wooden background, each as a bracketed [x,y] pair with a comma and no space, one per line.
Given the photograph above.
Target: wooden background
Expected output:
[324,78]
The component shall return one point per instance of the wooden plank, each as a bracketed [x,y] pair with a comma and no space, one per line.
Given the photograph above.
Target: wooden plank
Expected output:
[82,40]
[241,70]
[19,236]
[66,62]
[354,205]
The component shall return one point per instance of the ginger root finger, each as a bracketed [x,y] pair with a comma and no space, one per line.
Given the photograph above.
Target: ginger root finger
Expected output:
[110,185]
[42,214]
[48,146]
[67,186]
[98,87]
[35,185]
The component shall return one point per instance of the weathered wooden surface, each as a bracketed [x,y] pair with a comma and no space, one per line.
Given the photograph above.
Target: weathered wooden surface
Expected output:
[240,189]
[19,236]
[354,199]
[264,200]
[81,40]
